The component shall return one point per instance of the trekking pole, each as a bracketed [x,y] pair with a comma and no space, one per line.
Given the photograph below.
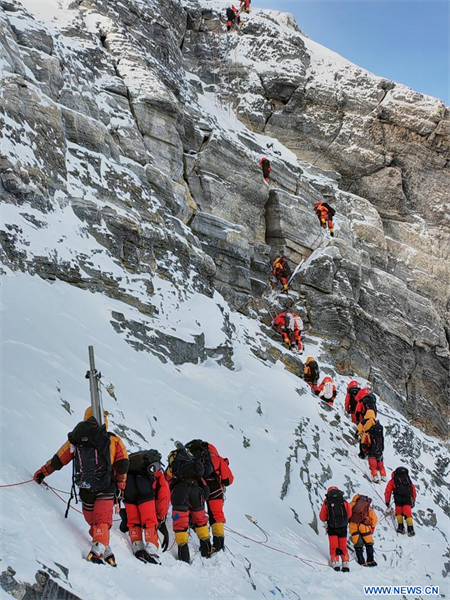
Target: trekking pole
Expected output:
[94,377]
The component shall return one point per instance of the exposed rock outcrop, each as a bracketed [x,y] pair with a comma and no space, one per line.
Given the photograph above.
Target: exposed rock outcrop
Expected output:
[121,123]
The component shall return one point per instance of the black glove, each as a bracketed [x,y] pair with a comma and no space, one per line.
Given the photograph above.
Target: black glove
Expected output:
[388,504]
[39,476]
[165,533]
[124,523]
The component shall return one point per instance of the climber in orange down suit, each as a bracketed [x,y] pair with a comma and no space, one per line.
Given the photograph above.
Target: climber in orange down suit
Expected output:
[327,391]
[266,167]
[325,214]
[245,6]
[232,16]
[97,505]
[282,271]
[290,326]
[335,512]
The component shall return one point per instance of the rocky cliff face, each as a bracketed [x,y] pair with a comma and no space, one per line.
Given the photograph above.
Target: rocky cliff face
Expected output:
[120,118]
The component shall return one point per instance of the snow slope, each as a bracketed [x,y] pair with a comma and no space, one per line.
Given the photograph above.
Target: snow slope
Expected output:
[46,330]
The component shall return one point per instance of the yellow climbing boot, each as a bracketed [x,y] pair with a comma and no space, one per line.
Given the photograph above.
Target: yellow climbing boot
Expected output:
[202,532]
[181,537]
[218,537]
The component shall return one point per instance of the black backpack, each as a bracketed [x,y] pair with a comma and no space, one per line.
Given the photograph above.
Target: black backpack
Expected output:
[286,267]
[230,14]
[352,392]
[184,465]
[403,486]
[92,468]
[329,208]
[376,439]
[145,462]
[200,450]
[337,514]
[370,402]
[314,369]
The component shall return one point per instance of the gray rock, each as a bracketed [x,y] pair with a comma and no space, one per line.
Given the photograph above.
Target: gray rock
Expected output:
[45,587]
[116,126]
[291,225]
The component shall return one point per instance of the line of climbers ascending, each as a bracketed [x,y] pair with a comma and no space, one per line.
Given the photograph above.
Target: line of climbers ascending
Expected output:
[360,404]
[359,516]
[105,474]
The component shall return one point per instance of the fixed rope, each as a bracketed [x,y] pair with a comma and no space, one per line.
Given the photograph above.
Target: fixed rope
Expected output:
[265,545]
[7,485]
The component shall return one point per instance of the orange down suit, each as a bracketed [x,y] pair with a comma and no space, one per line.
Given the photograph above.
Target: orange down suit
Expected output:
[281,271]
[337,537]
[320,391]
[402,506]
[97,506]
[284,323]
[362,532]
[363,428]
[324,216]
[147,503]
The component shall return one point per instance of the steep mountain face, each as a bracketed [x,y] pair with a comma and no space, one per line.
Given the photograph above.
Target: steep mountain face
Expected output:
[135,218]
[117,116]
[387,282]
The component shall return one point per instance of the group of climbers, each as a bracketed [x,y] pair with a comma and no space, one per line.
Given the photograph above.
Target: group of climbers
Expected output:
[197,474]
[326,390]
[360,519]
[105,474]
[359,516]
[361,405]
[194,484]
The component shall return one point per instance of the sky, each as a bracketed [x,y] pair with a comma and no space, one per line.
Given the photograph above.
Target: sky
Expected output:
[404,40]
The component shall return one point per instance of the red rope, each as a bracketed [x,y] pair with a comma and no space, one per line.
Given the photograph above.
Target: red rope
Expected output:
[305,560]
[72,507]
[14,484]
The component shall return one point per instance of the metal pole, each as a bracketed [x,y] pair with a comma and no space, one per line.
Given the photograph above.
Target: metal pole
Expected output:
[94,376]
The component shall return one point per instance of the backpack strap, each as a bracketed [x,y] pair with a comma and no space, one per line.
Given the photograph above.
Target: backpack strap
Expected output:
[73,491]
